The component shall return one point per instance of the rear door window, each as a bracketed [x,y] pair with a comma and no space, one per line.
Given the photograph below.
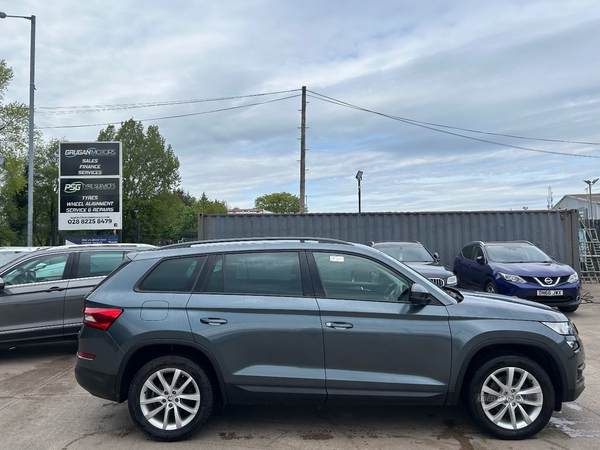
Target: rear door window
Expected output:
[259,273]
[98,264]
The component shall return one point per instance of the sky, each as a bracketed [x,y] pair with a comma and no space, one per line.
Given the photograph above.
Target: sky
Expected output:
[421,96]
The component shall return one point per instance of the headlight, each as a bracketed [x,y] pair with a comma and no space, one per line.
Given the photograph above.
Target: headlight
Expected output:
[451,281]
[566,329]
[573,278]
[513,278]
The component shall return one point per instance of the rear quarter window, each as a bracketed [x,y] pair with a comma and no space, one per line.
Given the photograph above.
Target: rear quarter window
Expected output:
[173,275]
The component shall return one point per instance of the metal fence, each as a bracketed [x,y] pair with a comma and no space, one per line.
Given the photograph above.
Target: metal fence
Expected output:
[555,232]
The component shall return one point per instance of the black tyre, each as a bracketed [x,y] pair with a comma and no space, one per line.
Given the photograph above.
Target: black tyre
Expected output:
[170,398]
[511,397]
[490,287]
[568,308]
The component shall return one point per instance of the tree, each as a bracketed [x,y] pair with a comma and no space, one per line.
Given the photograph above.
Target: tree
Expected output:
[150,176]
[281,202]
[186,225]
[45,201]
[13,176]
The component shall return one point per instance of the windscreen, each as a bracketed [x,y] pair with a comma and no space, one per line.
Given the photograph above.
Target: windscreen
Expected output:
[406,252]
[516,253]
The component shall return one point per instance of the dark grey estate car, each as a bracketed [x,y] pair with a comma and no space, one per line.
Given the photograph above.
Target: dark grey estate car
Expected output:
[175,330]
[42,291]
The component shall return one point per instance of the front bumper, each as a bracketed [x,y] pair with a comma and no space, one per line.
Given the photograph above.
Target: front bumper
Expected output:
[529,291]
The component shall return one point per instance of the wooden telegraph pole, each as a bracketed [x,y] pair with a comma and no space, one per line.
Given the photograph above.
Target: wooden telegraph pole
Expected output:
[303,152]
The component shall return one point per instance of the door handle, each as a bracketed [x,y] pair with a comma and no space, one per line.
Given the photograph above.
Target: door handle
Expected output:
[54,289]
[213,321]
[339,325]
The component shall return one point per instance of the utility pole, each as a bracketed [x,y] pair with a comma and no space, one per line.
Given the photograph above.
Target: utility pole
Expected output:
[303,152]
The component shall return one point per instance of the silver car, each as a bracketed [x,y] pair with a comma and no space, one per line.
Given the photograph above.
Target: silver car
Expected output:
[42,291]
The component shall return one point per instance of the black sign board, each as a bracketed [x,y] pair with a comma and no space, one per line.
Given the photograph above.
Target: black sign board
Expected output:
[89,195]
[90,159]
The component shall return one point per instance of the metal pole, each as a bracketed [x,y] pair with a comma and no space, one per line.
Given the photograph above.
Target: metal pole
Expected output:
[590,183]
[31,125]
[359,197]
[358,176]
[591,218]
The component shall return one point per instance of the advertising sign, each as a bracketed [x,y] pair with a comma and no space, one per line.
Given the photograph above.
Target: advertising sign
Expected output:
[89,203]
[90,186]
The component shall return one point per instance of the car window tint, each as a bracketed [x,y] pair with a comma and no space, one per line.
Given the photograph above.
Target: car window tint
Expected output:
[477,252]
[354,277]
[467,252]
[94,264]
[172,275]
[263,273]
[36,270]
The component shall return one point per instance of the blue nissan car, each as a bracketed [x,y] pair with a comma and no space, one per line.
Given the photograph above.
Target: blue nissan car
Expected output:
[519,269]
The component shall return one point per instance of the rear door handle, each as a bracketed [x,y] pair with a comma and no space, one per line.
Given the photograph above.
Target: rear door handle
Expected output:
[55,289]
[339,325]
[213,321]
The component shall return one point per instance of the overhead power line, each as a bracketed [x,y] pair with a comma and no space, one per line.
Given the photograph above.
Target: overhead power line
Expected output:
[49,110]
[173,117]
[55,110]
[431,126]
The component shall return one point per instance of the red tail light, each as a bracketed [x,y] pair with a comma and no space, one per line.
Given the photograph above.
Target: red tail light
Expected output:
[100,318]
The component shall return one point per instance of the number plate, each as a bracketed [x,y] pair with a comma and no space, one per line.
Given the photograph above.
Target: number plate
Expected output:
[549,293]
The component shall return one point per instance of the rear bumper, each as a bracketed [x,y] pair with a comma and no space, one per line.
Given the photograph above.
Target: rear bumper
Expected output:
[97,383]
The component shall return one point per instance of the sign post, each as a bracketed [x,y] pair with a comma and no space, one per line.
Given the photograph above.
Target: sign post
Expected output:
[90,186]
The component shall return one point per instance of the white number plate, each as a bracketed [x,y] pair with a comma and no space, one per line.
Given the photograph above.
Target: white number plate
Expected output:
[551,293]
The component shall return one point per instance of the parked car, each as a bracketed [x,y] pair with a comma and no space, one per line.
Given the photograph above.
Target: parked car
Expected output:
[417,256]
[41,292]
[309,320]
[520,269]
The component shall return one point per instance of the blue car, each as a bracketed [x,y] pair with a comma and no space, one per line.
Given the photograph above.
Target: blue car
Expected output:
[519,269]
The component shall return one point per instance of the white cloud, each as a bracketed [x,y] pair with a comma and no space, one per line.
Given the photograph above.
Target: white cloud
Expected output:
[521,67]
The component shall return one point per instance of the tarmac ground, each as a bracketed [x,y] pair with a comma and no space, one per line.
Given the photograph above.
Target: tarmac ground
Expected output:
[43,407]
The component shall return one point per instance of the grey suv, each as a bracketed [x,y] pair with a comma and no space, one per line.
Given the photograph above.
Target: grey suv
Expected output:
[42,291]
[175,330]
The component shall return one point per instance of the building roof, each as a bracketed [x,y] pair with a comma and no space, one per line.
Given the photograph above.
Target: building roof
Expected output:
[585,197]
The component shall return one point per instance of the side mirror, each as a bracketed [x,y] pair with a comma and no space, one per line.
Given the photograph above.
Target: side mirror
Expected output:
[436,256]
[2,284]
[480,260]
[419,295]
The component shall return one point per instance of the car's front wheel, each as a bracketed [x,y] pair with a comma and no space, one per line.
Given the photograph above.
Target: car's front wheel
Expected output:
[170,398]
[511,397]
[490,287]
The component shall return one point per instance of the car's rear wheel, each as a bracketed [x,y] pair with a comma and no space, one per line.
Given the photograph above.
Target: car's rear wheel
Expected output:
[170,398]
[490,287]
[511,397]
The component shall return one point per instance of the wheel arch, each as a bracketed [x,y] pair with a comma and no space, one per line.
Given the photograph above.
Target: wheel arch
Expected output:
[538,354]
[141,355]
